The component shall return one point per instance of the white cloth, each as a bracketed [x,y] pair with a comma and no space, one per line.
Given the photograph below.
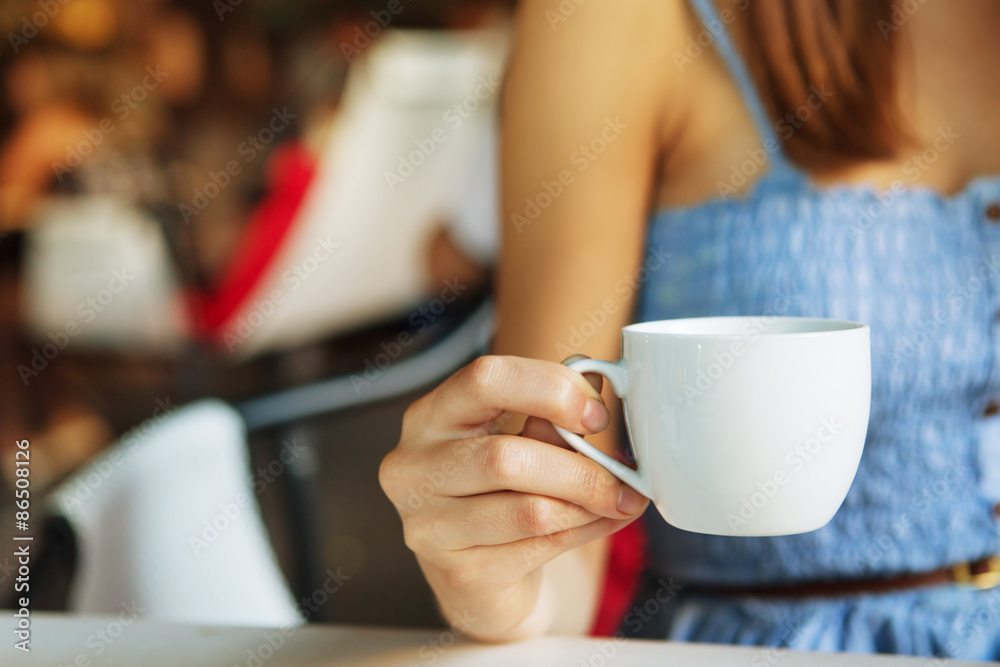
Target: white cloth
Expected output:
[474,221]
[98,274]
[167,523]
[414,131]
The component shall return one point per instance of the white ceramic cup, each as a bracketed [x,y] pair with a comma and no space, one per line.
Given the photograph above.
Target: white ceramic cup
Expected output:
[740,425]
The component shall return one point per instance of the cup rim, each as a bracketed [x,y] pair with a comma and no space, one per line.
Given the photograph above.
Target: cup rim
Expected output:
[759,329]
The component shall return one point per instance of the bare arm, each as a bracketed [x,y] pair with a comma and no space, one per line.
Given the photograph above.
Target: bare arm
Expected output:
[581,135]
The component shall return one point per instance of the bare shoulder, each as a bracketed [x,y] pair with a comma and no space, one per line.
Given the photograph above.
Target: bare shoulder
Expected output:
[583,117]
[599,54]
[637,25]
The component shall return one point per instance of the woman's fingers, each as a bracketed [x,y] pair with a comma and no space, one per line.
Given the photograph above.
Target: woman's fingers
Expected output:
[491,385]
[529,554]
[536,551]
[482,510]
[514,463]
[542,430]
[491,519]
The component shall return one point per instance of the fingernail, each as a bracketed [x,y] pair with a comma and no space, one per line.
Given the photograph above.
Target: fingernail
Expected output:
[629,500]
[595,415]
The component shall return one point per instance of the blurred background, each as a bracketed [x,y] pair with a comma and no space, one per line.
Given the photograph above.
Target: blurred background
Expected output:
[237,239]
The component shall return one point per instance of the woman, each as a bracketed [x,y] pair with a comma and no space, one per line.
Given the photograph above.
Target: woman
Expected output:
[853,175]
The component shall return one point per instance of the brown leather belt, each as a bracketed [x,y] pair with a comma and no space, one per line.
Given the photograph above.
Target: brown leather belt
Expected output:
[981,574]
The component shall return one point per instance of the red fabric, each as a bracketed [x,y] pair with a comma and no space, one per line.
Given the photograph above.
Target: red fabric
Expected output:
[626,561]
[291,170]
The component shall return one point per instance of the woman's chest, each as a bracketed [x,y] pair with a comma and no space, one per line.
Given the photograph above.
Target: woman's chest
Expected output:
[923,271]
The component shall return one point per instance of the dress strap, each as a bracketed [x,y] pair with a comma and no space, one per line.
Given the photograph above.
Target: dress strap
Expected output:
[713,23]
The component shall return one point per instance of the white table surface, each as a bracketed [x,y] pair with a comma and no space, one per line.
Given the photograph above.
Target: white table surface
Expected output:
[61,640]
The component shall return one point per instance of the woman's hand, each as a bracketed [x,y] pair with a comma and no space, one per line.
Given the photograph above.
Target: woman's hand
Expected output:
[484,511]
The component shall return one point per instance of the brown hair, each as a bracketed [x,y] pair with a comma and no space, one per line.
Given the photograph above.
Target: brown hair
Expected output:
[843,46]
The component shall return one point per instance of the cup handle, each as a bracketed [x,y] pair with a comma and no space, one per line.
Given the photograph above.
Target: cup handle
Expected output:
[617,375]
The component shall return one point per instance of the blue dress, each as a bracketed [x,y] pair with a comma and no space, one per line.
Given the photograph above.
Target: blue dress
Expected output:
[923,270]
